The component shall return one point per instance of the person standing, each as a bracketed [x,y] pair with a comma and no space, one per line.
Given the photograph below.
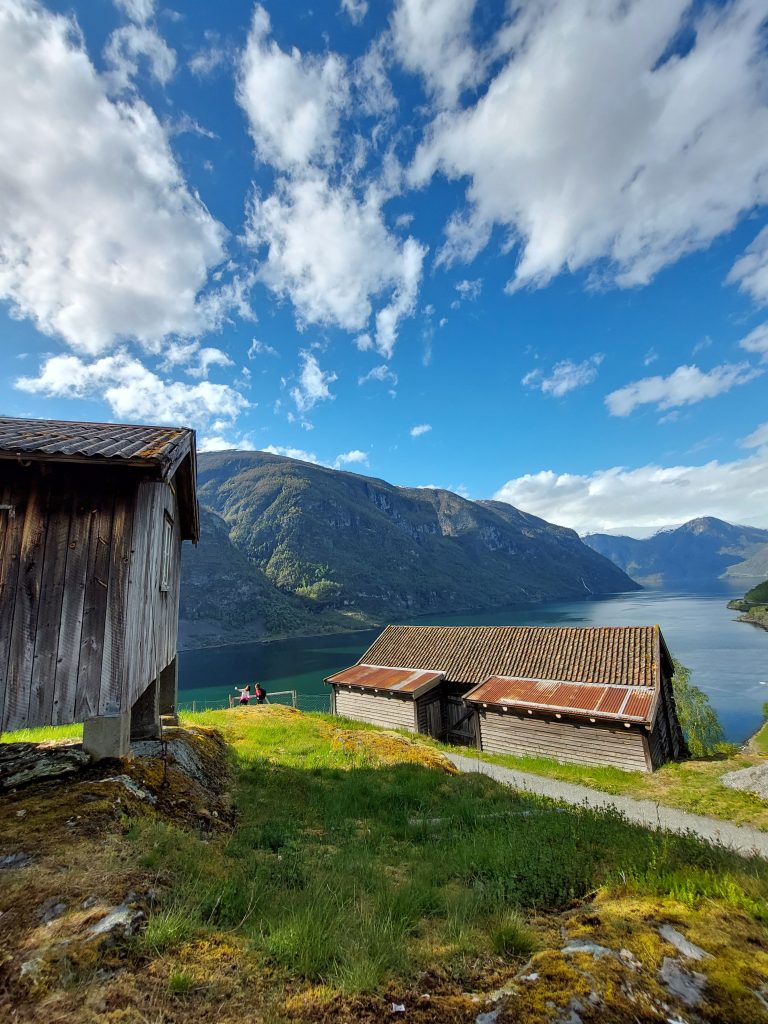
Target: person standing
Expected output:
[259,693]
[245,694]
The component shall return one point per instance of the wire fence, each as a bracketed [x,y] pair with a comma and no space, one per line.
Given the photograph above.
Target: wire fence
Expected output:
[289,698]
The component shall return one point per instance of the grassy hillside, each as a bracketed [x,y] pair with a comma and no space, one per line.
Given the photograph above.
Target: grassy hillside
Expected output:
[362,873]
[340,544]
[754,606]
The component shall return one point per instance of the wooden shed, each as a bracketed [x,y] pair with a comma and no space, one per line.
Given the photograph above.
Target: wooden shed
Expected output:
[592,695]
[92,517]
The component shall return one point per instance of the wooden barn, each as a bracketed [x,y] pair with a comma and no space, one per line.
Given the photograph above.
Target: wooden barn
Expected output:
[92,517]
[588,695]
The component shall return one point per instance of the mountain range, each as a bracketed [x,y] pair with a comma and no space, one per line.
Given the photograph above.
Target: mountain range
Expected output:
[702,549]
[293,547]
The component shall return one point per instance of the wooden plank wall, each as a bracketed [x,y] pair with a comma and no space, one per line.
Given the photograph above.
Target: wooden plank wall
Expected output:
[505,733]
[84,625]
[386,709]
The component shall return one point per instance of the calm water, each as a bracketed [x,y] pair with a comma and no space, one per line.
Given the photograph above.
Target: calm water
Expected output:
[728,659]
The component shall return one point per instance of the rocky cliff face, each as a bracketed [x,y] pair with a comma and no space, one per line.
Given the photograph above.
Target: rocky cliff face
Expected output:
[284,540]
[700,550]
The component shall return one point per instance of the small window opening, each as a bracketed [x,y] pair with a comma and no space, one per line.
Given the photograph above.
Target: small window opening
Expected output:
[165,566]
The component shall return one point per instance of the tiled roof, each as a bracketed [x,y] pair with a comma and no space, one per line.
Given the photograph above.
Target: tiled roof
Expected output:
[84,442]
[621,655]
[375,677]
[624,703]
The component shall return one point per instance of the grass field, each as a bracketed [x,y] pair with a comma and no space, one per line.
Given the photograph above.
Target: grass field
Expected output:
[347,871]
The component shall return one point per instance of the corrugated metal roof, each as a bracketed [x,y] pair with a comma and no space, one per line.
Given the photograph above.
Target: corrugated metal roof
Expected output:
[617,655]
[377,677]
[623,703]
[76,441]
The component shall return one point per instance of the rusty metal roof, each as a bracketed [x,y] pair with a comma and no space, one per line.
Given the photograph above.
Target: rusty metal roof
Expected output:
[614,655]
[58,440]
[587,700]
[412,682]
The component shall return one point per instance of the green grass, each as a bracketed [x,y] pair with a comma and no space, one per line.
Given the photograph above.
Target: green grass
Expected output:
[690,785]
[352,874]
[760,739]
[51,732]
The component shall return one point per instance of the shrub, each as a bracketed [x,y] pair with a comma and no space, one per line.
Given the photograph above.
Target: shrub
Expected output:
[698,719]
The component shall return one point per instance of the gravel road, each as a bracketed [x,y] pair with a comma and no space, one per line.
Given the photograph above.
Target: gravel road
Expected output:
[740,838]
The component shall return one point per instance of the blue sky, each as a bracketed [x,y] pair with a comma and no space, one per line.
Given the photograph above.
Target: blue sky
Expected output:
[515,250]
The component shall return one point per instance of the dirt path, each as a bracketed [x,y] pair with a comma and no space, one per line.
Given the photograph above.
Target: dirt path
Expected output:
[740,838]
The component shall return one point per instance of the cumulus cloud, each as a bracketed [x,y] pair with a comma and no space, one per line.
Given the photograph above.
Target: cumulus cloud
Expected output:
[757,439]
[314,384]
[750,272]
[469,289]
[686,386]
[220,443]
[355,457]
[381,373]
[420,428]
[100,238]
[134,392]
[293,102]
[649,496]
[431,38]
[566,376]
[602,143]
[757,342]
[124,48]
[206,358]
[330,254]
[291,453]
[139,11]
[356,9]
[259,348]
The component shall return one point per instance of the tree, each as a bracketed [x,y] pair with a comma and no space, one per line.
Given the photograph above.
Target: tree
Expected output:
[698,719]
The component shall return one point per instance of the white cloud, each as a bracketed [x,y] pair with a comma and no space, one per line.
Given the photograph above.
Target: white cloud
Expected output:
[356,9]
[330,254]
[124,48]
[291,453]
[355,457]
[314,384]
[134,392]
[432,38]
[597,141]
[648,496]
[373,89]
[750,272]
[259,348]
[650,357]
[293,102]
[757,439]
[566,376]
[211,57]
[469,290]
[206,358]
[220,443]
[757,342]
[100,238]
[137,10]
[686,386]
[419,429]
[382,373]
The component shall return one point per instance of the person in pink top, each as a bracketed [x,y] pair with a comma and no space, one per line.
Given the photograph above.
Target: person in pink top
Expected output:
[245,693]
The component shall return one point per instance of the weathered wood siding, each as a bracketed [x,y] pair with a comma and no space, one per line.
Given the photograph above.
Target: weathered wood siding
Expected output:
[429,713]
[84,626]
[508,733]
[386,709]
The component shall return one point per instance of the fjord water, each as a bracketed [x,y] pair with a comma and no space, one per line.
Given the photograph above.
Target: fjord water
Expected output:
[728,659]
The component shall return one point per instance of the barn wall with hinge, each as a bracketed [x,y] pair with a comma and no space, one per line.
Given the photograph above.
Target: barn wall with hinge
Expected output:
[508,733]
[386,709]
[77,593]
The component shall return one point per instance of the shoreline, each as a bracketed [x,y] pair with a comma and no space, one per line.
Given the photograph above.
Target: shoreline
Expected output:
[276,639]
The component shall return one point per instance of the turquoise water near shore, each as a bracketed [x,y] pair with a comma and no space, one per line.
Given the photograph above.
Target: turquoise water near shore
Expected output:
[728,659]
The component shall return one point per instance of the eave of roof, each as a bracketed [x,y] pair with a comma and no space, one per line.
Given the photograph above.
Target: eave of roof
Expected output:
[603,702]
[408,682]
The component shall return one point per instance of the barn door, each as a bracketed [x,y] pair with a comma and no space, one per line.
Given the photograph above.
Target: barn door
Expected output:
[460,722]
